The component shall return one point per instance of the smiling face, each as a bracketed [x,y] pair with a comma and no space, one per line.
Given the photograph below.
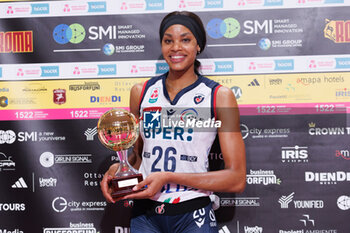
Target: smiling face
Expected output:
[179,48]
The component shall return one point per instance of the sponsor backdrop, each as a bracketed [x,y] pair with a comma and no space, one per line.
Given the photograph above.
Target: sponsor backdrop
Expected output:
[64,63]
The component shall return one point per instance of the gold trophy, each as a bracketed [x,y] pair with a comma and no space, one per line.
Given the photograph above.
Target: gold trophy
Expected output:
[118,130]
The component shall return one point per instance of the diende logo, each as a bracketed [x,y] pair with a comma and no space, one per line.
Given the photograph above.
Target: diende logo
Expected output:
[74,33]
[228,28]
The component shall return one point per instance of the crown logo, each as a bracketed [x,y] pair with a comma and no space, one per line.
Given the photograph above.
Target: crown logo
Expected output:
[312,125]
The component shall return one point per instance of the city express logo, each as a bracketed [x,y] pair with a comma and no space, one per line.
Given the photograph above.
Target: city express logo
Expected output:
[16,42]
[337,30]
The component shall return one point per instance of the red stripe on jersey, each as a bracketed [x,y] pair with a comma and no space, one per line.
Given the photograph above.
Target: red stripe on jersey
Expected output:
[214,100]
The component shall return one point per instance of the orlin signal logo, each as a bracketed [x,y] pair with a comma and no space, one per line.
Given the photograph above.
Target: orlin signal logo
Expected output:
[337,30]
[16,42]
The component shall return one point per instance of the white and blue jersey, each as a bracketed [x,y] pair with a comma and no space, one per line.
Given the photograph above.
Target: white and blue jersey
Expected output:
[177,134]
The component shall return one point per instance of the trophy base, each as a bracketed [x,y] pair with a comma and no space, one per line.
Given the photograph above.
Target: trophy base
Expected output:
[122,186]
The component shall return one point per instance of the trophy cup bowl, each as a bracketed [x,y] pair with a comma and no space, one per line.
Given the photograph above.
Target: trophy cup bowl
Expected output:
[118,130]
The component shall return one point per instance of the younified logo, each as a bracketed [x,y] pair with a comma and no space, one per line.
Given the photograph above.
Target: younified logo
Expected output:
[90,133]
[285,200]
[300,204]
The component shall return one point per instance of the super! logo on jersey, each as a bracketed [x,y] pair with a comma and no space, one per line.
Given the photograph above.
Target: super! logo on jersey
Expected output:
[154,95]
[16,42]
[337,30]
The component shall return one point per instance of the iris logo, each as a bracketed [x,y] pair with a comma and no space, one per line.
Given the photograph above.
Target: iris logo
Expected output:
[228,28]
[74,33]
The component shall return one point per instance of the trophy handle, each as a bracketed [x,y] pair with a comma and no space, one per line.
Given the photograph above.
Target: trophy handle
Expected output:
[125,169]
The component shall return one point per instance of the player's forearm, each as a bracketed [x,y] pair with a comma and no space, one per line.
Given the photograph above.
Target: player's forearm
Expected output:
[217,181]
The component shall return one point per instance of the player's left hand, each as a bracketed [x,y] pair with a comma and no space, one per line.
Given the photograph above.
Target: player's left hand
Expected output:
[153,183]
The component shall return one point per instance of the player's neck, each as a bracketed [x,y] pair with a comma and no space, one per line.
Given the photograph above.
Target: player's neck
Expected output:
[180,80]
[177,81]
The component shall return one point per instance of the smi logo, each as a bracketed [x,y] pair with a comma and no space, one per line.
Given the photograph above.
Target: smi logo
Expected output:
[228,28]
[74,33]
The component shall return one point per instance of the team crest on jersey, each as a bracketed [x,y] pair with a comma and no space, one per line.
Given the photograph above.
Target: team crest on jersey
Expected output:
[198,98]
[154,95]
[151,117]
[189,114]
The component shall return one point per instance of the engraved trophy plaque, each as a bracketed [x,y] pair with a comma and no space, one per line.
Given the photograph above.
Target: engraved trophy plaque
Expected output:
[118,130]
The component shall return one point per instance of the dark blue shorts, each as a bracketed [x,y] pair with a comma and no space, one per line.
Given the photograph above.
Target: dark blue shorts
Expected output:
[196,221]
